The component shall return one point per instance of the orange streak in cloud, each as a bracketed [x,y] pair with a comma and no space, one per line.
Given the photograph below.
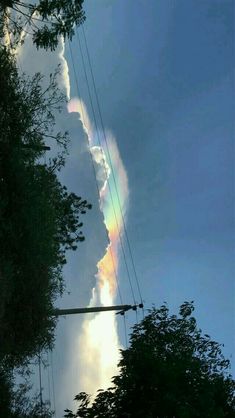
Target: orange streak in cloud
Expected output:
[106,270]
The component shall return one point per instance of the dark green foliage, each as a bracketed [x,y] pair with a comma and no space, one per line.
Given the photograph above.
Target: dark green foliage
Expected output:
[5,392]
[170,370]
[45,20]
[39,218]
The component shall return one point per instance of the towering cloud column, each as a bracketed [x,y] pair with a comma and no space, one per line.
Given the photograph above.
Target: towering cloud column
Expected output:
[98,343]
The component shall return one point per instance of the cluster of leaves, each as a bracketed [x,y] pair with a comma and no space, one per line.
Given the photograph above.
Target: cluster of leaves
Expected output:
[45,20]
[39,217]
[170,370]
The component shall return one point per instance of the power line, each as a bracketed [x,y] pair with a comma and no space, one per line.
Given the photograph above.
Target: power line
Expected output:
[48,380]
[109,188]
[40,380]
[97,187]
[125,331]
[115,185]
[99,141]
[53,383]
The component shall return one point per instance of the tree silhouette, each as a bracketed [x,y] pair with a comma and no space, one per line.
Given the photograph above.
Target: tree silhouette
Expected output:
[40,218]
[45,20]
[170,370]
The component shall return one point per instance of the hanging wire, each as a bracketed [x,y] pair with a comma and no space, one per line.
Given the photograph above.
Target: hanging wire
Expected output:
[125,330]
[94,171]
[40,380]
[53,383]
[48,380]
[136,316]
[115,185]
[109,188]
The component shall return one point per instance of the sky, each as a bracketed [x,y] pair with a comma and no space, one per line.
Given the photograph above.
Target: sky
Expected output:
[164,74]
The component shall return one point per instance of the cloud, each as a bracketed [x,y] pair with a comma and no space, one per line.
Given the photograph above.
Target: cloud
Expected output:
[98,344]
[88,345]
[102,167]
[76,105]
[32,60]
[99,360]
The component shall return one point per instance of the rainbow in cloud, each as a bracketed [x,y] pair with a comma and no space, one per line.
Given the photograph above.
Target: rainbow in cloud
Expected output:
[99,335]
[113,195]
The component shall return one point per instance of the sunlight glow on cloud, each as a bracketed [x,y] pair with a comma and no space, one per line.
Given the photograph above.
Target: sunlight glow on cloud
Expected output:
[98,344]
[77,106]
[99,347]
[65,83]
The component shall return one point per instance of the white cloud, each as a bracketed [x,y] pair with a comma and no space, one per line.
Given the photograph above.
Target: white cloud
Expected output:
[32,60]
[102,167]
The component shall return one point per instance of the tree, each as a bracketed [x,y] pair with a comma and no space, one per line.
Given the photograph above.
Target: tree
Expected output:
[170,370]
[39,218]
[45,20]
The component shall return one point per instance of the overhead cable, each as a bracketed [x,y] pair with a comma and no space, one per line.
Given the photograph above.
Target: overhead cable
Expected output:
[94,171]
[112,171]
[108,152]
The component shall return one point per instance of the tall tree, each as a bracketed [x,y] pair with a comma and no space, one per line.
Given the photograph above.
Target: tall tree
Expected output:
[170,370]
[45,20]
[39,218]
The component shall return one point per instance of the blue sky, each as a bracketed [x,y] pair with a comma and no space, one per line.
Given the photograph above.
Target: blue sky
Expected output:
[164,72]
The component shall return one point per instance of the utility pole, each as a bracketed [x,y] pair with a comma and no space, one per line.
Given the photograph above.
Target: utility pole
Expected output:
[36,147]
[121,308]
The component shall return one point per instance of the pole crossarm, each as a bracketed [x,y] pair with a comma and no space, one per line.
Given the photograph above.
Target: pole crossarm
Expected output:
[121,308]
[36,147]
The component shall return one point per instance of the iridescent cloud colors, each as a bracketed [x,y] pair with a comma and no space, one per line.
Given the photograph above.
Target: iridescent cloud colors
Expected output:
[99,342]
